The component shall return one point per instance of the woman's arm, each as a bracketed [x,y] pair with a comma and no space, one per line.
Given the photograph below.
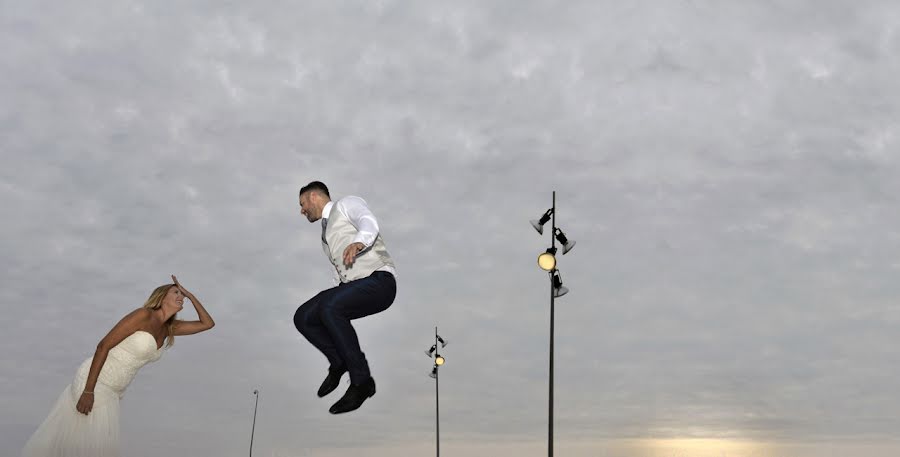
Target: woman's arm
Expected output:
[129,324]
[191,327]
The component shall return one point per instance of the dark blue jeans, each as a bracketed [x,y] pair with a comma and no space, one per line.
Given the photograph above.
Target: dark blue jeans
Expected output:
[325,319]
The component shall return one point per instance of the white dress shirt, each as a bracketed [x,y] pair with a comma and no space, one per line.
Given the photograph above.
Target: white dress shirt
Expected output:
[357,211]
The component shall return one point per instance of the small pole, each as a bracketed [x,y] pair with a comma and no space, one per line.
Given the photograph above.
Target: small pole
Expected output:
[253,430]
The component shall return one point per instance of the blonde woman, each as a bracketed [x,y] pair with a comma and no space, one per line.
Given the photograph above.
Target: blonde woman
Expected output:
[85,420]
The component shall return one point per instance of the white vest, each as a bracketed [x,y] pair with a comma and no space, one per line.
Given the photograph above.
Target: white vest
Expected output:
[339,233]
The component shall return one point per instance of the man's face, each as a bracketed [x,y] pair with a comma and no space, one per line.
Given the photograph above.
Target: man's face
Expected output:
[309,206]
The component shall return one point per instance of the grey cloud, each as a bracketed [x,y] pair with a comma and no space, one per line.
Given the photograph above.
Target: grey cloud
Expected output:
[727,171]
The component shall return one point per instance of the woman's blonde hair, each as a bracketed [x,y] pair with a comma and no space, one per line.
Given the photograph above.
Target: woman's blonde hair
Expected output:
[155,302]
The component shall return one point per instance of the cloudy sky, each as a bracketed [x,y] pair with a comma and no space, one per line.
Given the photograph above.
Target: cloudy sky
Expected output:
[728,169]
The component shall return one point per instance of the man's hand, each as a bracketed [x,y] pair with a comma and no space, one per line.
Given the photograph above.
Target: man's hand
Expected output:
[351,252]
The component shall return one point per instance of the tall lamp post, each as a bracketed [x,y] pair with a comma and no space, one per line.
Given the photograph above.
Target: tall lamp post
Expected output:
[253,429]
[547,262]
[438,361]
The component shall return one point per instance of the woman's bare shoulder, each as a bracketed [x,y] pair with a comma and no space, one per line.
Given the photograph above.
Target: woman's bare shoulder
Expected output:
[138,316]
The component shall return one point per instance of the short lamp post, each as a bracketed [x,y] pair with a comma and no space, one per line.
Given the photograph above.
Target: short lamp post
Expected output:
[438,361]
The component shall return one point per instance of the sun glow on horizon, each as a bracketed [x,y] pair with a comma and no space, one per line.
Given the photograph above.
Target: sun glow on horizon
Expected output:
[703,447]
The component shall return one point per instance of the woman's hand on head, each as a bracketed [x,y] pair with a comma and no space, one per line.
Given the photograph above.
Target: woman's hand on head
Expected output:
[180,287]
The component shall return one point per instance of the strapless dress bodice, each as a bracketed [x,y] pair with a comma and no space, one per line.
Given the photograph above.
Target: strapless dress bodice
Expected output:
[123,362]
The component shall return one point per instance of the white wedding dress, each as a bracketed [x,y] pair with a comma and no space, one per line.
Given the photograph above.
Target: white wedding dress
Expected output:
[68,433]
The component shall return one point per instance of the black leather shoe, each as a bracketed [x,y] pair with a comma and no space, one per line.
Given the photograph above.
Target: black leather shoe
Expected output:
[331,381]
[354,397]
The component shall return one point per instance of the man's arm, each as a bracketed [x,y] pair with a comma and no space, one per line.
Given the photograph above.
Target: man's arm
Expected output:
[359,214]
[357,210]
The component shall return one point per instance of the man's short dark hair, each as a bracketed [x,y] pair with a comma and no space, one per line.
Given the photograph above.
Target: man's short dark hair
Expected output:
[315,185]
